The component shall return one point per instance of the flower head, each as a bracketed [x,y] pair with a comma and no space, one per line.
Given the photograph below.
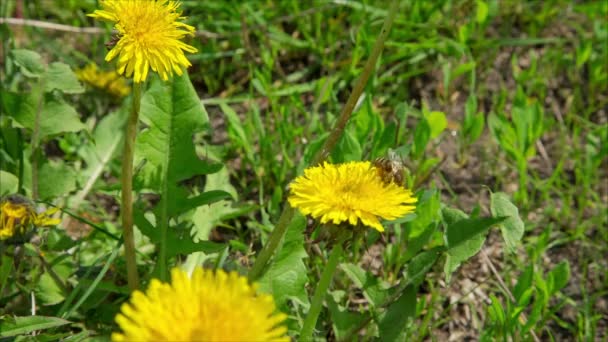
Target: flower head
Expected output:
[149,36]
[209,306]
[108,81]
[17,214]
[348,193]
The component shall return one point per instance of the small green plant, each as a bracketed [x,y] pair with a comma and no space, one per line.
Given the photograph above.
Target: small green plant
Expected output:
[517,135]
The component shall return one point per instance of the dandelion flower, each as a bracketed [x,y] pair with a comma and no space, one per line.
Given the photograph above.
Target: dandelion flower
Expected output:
[149,36]
[348,193]
[209,306]
[17,214]
[109,81]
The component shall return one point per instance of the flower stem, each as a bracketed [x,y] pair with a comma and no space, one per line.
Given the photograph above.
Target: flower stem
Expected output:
[127,189]
[317,301]
[285,219]
[275,237]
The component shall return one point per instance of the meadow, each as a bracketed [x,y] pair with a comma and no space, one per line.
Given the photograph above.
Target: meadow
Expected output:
[304,170]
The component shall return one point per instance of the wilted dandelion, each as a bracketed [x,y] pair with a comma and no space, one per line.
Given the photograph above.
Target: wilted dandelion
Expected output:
[109,81]
[17,215]
[348,193]
[209,306]
[149,36]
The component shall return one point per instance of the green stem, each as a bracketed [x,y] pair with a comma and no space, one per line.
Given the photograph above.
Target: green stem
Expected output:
[275,238]
[163,224]
[126,208]
[36,140]
[20,189]
[368,69]
[288,212]
[317,301]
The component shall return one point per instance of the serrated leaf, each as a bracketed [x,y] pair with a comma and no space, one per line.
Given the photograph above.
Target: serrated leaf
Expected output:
[373,288]
[287,275]
[24,325]
[8,183]
[393,323]
[179,240]
[183,204]
[55,179]
[30,62]
[512,228]
[173,113]
[464,239]
[61,77]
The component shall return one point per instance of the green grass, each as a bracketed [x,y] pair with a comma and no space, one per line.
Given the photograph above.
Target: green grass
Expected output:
[524,88]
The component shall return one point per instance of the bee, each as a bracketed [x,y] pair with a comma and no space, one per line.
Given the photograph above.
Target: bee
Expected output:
[390,169]
[113,41]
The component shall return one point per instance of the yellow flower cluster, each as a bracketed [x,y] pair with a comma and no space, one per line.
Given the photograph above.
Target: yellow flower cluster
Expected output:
[149,36]
[350,192]
[208,306]
[17,214]
[108,81]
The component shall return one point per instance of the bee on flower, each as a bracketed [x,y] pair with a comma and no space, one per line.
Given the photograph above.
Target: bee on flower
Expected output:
[17,215]
[354,193]
[148,37]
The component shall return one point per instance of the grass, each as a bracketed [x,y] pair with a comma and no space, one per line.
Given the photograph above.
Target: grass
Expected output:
[523,86]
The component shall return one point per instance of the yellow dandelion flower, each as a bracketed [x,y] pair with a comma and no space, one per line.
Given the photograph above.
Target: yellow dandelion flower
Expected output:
[149,36]
[17,214]
[108,81]
[209,306]
[348,193]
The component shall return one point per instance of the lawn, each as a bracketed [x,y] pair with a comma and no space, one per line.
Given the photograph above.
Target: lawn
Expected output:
[308,170]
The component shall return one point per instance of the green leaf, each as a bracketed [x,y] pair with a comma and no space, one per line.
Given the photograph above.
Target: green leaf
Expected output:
[418,267]
[422,134]
[374,290]
[179,240]
[173,113]
[393,323]
[464,239]
[14,326]
[452,215]
[348,148]
[108,137]
[558,277]
[47,291]
[512,228]
[437,122]
[56,116]
[183,204]
[59,76]
[56,179]
[482,12]
[8,183]
[342,320]
[524,282]
[287,276]
[29,61]
[6,266]
[236,126]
